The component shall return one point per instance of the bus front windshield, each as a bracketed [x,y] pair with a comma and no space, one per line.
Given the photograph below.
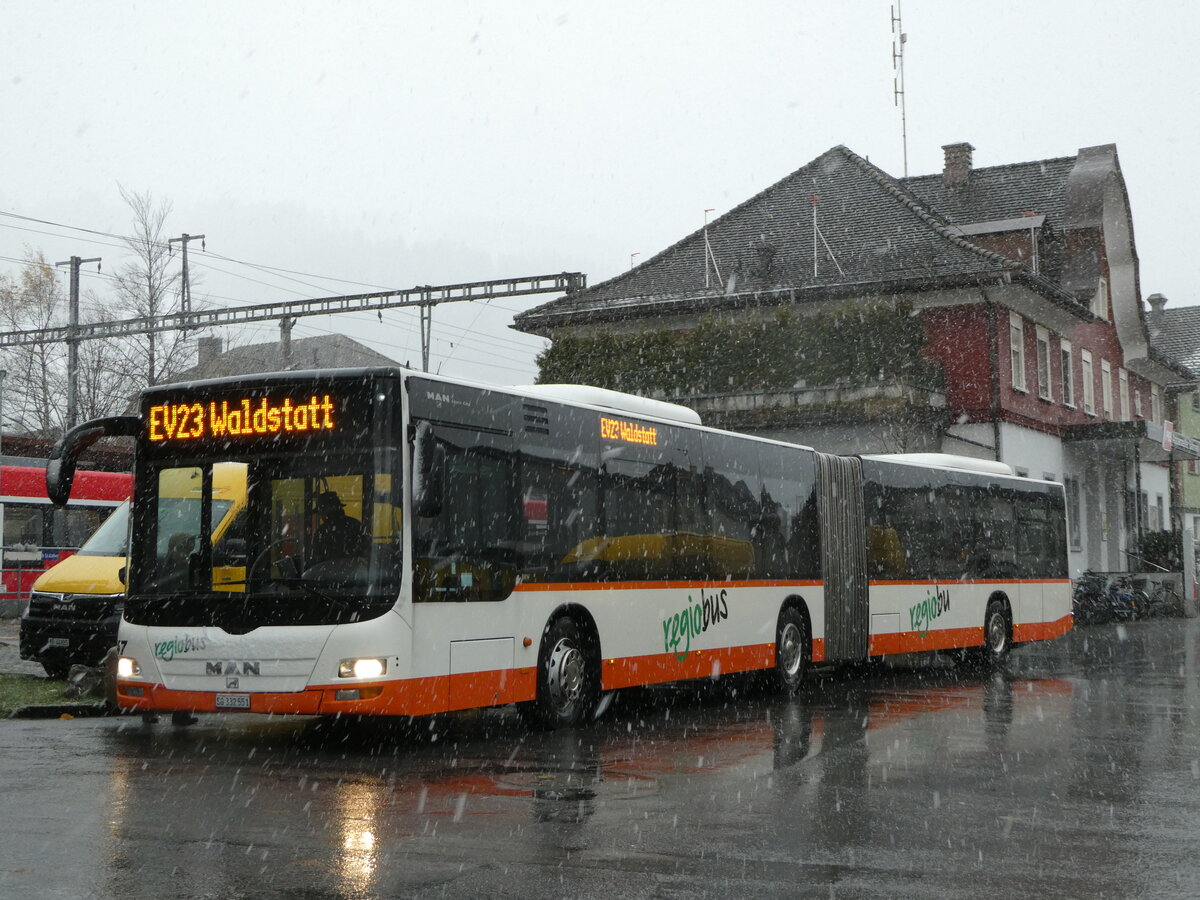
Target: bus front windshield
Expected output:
[313,539]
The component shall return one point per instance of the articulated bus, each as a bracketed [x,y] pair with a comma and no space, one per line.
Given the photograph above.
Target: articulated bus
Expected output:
[417,544]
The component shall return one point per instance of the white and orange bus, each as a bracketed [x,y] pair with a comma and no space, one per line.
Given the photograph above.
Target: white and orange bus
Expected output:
[417,544]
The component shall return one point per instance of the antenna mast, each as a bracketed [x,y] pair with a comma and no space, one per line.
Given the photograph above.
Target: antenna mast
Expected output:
[899,39]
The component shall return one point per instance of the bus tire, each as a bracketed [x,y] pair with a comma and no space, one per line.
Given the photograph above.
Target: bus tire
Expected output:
[997,634]
[567,686]
[792,648]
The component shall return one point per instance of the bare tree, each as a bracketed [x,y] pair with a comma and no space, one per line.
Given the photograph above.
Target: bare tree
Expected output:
[111,371]
[148,286]
[36,380]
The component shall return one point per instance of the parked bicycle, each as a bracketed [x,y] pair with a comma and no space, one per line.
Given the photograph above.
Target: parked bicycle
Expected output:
[1163,600]
[1103,598]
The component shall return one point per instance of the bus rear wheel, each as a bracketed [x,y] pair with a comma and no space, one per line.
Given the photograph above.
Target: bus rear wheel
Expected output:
[567,688]
[792,648]
[997,640]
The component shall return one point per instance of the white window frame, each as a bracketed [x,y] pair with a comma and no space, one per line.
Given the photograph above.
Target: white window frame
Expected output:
[1106,391]
[1043,364]
[1074,512]
[1089,382]
[1100,301]
[1137,403]
[1155,404]
[1123,378]
[1068,379]
[1016,350]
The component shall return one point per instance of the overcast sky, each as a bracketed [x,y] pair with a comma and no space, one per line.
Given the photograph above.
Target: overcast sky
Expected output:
[398,143]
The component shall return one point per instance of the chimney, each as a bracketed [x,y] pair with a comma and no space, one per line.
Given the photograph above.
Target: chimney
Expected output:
[957,170]
[1157,302]
[207,348]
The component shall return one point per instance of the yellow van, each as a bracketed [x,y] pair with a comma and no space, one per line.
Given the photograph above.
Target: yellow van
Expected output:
[75,607]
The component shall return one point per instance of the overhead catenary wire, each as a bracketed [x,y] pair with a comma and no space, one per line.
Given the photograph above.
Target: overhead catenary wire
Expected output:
[461,337]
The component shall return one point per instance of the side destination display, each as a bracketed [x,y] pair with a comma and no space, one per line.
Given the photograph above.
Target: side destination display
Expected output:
[629,432]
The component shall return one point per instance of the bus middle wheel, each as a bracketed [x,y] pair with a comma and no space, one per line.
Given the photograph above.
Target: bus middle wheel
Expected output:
[792,647]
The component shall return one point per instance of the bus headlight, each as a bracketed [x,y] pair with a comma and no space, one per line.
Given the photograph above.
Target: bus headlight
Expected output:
[362,668]
[128,668]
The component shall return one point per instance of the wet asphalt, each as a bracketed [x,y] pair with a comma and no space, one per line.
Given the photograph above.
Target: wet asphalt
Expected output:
[1074,772]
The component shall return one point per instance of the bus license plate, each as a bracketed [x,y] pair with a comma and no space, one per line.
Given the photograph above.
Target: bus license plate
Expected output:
[233,701]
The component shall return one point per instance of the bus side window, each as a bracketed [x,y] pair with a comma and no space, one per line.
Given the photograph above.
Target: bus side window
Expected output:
[788,504]
[468,551]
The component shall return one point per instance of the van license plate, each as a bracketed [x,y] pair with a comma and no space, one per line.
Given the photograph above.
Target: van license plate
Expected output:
[59,643]
[233,701]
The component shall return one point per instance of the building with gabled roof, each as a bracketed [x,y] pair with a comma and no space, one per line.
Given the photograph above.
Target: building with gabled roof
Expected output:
[1025,280]
[326,351]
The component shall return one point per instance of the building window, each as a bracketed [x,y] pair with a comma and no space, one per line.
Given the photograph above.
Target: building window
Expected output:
[1196,401]
[1123,377]
[1160,513]
[1193,467]
[1137,403]
[1068,380]
[1071,485]
[1155,404]
[1016,344]
[1100,301]
[1043,362]
[1106,394]
[1089,383]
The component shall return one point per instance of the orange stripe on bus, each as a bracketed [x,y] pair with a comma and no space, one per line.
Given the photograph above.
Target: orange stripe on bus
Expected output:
[409,697]
[654,585]
[656,668]
[946,583]
[1043,631]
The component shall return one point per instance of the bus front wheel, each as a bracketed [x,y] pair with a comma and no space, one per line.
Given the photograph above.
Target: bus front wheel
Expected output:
[792,643]
[566,677]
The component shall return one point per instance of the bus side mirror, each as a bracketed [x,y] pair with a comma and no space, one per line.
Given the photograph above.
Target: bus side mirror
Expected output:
[60,468]
[429,472]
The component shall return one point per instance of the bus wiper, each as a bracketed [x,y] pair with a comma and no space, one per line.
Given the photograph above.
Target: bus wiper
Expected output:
[294,581]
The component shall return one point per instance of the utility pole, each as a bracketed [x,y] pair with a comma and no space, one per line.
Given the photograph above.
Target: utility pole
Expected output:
[426,334]
[185,296]
[73,339]
[898,94]
[285,340]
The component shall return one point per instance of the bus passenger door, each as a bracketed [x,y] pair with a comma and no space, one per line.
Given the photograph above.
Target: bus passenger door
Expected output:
[843,557]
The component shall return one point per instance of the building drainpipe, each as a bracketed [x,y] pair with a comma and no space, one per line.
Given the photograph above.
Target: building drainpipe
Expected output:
[1137,501]
[994,367]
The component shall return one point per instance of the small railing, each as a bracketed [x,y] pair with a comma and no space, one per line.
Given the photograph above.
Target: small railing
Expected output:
[22,565]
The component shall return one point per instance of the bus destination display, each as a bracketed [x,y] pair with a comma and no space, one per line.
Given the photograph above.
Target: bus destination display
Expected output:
[629,432]
[241,418]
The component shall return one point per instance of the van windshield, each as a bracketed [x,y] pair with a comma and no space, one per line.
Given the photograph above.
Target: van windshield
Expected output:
[112,537]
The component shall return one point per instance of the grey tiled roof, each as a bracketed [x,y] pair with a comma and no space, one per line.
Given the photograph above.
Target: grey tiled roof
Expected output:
[874,231]
[1000,192]
[333,351]
[1179,336]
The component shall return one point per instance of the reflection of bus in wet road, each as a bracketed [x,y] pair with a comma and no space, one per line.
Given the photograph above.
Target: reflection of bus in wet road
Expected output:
[664,778]
[416,545]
